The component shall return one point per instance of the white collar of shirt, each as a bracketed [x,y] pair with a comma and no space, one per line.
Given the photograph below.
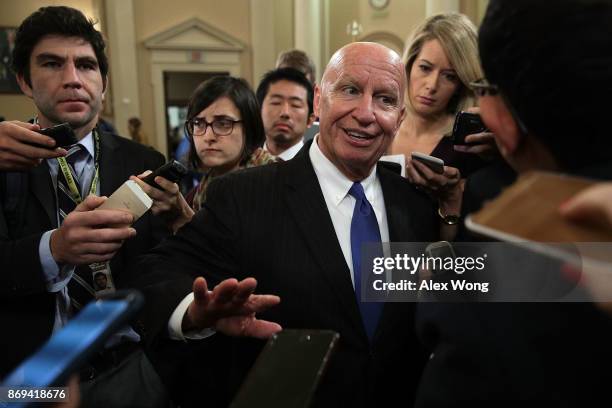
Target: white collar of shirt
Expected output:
[340,204]
[290,152]
[333,183]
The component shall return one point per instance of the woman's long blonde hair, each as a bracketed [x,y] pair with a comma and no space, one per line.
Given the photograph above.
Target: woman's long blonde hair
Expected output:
[458,37]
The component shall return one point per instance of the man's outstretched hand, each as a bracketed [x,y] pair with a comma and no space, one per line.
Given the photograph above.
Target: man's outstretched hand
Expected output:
[230,308]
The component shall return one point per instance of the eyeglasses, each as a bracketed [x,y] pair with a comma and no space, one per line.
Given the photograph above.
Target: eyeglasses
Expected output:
[482,87]
[220,127]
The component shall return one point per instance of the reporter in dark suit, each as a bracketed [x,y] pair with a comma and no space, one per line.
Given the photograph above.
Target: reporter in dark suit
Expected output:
[46,241]
[289,226]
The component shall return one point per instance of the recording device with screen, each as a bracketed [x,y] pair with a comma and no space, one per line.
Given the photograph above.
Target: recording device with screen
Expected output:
[68,349]
[173,171]
[63,135]
[288,369]
[466,124]
[434,163]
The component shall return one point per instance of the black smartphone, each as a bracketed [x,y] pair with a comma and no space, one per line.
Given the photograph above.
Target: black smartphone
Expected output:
[68,349]
[466,124]
[288,370]
[62,134]
[173,171]
[440,250]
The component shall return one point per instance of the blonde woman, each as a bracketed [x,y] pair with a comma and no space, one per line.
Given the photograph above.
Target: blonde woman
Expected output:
[441,60]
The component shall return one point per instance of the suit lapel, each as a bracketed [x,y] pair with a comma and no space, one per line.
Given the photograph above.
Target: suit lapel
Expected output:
[41,186]
[307,205]
[401,229]
[112,165]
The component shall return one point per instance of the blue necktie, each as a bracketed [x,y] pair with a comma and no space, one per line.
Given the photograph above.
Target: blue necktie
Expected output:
[364,229]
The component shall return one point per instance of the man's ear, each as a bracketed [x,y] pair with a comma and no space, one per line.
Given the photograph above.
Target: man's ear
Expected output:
[104,86]
[498,118]
[25,88]
[401,118]
[317,101]
[311,118]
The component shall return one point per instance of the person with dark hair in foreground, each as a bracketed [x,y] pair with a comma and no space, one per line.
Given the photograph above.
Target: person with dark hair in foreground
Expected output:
[545,97]
[290,225]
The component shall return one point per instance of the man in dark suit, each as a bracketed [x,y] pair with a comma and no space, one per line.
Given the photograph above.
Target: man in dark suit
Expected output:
[60,64]
[546,98]
[290,225]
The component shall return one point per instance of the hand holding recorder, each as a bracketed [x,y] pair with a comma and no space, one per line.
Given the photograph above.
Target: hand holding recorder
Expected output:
[89,234]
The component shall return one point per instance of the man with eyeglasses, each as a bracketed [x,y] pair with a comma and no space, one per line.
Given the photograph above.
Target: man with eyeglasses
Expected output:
[546,98]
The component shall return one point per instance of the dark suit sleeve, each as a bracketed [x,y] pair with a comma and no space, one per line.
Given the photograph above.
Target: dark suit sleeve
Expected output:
[21,272]
[207,246]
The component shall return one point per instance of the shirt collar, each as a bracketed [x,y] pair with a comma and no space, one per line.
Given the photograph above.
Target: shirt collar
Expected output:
[333,183]
[88,143]
[290,152]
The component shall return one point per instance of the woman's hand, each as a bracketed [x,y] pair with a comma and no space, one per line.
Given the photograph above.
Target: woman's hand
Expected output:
[483,143]
[168,203]
[447,188]
[438,185]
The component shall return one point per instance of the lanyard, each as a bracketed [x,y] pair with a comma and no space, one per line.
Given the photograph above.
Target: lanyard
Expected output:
[72,185]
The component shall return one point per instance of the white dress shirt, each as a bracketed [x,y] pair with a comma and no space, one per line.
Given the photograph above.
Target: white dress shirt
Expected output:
[289,153]
[340,204]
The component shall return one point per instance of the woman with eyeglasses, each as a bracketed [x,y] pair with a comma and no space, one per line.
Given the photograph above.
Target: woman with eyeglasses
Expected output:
[225,131]
[441,60]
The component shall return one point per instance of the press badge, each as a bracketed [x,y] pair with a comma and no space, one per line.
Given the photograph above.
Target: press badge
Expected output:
[102,278]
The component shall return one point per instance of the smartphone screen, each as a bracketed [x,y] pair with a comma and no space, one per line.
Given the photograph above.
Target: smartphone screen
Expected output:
[62,355]
[288,369]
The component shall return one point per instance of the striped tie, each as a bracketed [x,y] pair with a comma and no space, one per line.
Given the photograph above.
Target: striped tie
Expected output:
[80,287]
[65,201]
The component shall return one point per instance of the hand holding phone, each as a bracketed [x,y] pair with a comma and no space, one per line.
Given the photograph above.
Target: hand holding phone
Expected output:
[173,171]
[23,147]
[434,163]
[466,123]
[63,135]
